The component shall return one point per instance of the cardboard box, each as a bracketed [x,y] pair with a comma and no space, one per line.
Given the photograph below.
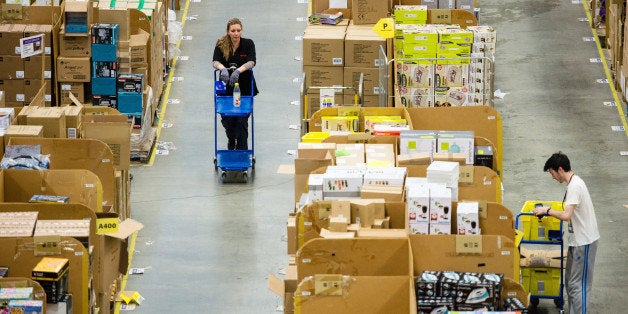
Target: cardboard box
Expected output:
[73,69]
[118,16]
[78,18]
[115,131]
[379,155]
[12,67]
[14,92]
[370,80]
[363,50]
[323,6]
[52,120]
[304,164]
[10,35]
[324,76]
[355,257]
[388,193]
[369,11]
[35,67]
[74,46]
[354,294]
[77,89]
[324,49]
[31,88]
[292,234]
[139,53]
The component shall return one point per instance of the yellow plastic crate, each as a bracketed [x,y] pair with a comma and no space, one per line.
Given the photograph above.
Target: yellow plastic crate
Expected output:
[532,228]
[541,280]
[314,137]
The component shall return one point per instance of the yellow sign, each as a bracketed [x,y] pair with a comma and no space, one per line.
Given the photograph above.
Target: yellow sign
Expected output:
[385,27]
[107,225]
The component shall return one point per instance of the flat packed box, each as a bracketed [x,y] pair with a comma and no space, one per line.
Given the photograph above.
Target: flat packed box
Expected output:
[423,158]
[379,155]
[349,154]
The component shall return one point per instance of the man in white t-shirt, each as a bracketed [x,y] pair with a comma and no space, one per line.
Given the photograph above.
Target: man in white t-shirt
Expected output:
[582,230]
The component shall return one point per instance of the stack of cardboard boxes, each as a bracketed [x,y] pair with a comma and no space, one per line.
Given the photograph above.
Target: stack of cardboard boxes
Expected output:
[21,78]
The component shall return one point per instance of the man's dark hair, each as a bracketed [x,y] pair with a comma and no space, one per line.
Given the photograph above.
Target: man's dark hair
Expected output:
[557,160]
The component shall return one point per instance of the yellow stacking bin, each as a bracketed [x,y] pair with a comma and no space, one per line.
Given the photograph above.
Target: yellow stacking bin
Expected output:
[532,228]
[542,281]
[314,137]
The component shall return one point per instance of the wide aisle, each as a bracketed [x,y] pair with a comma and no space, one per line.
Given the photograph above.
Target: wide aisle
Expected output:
[208,247]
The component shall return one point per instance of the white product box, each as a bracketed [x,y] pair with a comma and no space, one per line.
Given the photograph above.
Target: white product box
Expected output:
[483,34]
[6,116]
[315,187]
[418,203]
[451,75]
[440,228]
[416,97]
[456,142]
[419,227]
[415,75]
[341,185]
[394,176]
[468,218]
[381,155]
[446,173]
[440,204]
[415,141]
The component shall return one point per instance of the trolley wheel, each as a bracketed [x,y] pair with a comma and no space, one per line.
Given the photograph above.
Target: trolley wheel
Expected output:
[534,302]
[215,164]
[245,176]
[559,303]
[253,163]
[223,175]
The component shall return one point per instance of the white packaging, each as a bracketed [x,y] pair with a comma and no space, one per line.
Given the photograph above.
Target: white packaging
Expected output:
[468,218]
[394,176]
[418,203]
[416,97]
[416,75]
[451,75]
[444,172]
[419,227]
[415,141]
[6,116]
[440,204]
[315,187]
[440,228]
[456,142]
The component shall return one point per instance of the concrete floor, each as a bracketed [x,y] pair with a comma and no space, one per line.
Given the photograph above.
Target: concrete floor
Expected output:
[207,247]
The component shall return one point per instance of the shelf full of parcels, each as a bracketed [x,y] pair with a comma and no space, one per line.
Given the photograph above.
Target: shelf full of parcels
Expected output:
[106,54]
[67,198]
[380,213]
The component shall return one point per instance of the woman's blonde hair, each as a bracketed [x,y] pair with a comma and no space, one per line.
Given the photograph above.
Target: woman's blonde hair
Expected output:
[224,42]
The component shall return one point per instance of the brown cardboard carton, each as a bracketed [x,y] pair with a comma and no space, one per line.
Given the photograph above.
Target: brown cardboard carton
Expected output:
[31,88]
[138,49]
[291,225]
[52,119]
[304,165]
[34,67]
[15,130]
[323,76]
[73,69]
[369,11]
[14,92]
[370,80]
[338,224]
[388,193]
[74,46]
[324,48]
[88,154]
[11,67]
[355,257]
[77,89]
[355,294]
[363,50]
[323,6]
[81,186]
[482,253]
[115,131]
[10,38]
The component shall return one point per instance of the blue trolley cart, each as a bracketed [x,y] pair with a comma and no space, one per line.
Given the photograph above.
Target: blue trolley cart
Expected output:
[233,164]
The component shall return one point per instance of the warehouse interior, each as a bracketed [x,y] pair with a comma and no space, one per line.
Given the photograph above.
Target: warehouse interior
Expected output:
[207,245]
[224,239]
